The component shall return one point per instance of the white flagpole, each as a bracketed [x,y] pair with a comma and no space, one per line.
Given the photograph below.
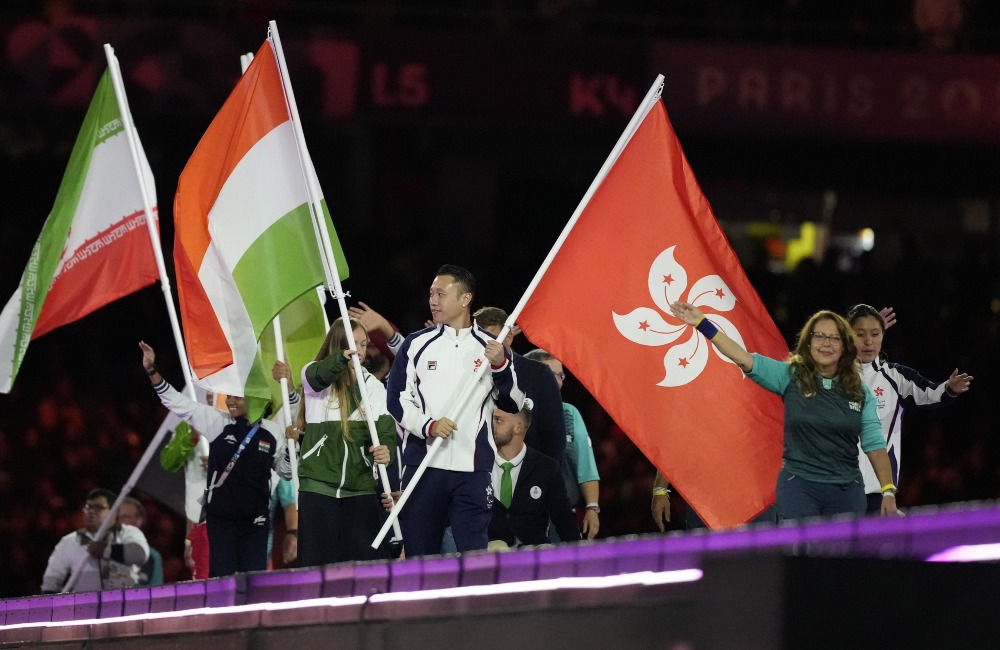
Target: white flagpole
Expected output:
[652,96]
[279,345]
[293,457]
[322,305]
[154,236]
[326,250]
[154,444]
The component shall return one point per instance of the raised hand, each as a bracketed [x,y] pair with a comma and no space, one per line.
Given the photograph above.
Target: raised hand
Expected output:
[888,315]
[686,312]
[958,382]
[148,356]
[371,319]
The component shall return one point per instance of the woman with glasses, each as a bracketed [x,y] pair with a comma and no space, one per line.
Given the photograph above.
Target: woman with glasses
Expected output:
[896,388]
[828,410]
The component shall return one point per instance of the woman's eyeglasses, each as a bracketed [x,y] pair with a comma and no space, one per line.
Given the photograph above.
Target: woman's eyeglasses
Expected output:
[834,339]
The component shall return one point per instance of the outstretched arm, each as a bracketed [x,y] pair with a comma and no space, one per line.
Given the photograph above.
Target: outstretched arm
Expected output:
[733,350]
[206,419]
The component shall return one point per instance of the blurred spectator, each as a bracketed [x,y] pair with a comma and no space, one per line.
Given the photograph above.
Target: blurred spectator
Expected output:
[106,563]
[133,513]
[939,23]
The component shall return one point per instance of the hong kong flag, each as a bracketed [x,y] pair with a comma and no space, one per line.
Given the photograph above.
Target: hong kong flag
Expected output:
[646,238]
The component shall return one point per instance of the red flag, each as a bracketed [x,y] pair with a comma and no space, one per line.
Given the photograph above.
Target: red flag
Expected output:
[646,239]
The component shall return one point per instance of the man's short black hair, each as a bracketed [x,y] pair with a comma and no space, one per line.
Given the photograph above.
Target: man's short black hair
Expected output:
[102,492]
[462,276]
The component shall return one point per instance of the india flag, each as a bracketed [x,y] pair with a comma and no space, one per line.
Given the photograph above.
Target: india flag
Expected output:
[246,243]
[94,247]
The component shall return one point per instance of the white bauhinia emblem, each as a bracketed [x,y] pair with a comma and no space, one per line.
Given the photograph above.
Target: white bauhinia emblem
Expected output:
[668,280]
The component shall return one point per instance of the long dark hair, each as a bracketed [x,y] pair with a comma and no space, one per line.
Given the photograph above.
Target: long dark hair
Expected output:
[848,368]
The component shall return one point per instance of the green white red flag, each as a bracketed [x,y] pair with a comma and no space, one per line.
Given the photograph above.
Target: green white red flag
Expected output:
[246,244]
[94,246]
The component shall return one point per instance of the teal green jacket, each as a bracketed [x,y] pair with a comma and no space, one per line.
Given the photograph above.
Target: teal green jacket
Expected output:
[821,432]
[329,463]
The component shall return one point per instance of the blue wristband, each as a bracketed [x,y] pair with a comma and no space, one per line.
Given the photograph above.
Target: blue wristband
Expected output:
[707,328]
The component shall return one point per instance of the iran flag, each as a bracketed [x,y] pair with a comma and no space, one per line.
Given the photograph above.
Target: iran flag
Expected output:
[94,246]
[648,238]
[246,237]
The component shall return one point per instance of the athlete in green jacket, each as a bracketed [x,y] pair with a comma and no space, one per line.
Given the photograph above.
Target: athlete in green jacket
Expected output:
[339,512]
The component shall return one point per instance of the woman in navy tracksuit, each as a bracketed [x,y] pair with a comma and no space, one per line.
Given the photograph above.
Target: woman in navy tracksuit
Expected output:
[236,505]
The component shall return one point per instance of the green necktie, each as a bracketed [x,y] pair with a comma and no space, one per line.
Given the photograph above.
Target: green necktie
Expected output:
[506,489]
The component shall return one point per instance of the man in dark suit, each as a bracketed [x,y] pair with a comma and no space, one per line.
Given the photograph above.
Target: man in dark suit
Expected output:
[528,489]
[547,432]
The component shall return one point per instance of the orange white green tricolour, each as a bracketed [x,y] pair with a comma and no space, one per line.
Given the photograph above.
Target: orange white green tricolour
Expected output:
[94,247]
[246,241]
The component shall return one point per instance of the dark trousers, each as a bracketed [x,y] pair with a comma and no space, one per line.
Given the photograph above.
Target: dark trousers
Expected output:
[797,497]
[236,545]
[441,496]
[338,530]
[874,505]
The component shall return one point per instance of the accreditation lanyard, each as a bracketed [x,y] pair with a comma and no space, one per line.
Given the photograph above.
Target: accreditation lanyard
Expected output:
[236,456]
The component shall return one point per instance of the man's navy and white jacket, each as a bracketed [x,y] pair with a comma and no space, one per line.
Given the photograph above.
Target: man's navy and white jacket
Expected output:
[430,372]
[896,388]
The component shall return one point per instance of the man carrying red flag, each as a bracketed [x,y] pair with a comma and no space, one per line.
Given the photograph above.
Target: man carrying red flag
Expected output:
[432,367]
